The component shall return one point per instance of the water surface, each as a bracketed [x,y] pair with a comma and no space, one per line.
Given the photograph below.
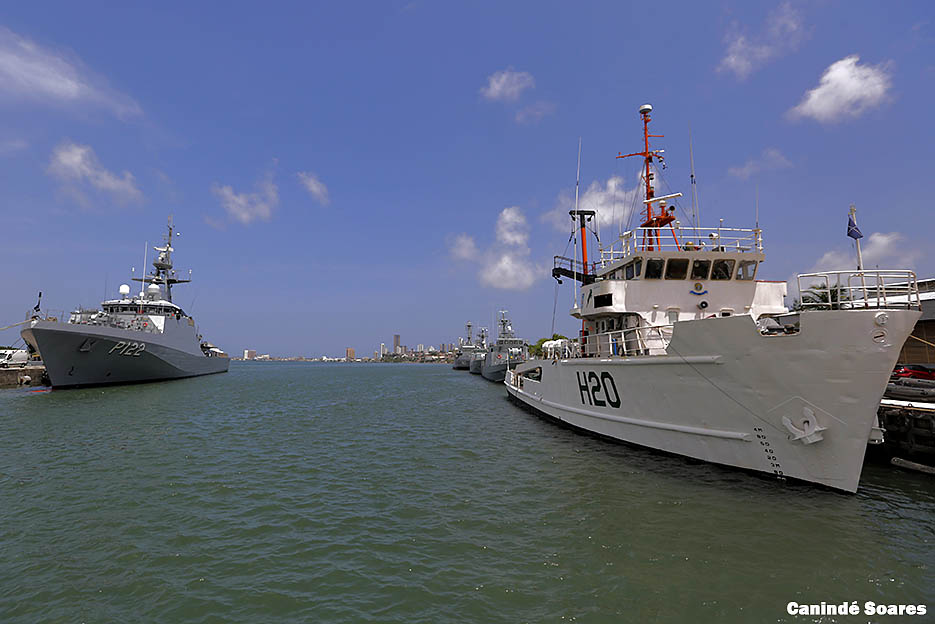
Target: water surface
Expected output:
[411,493]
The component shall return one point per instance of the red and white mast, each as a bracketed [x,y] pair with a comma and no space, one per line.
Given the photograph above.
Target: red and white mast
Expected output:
[653,220]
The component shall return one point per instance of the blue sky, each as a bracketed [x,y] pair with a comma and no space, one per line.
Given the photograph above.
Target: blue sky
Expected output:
[342,172]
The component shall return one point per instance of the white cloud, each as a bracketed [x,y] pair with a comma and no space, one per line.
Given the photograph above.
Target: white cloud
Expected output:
[33,72]
[506,263]
[247,207]
[884,249]
[534,112]
[846,90]
[509,270]
[782,33]
[77,164]
[464,248]
[770,160]
[610,200]
[507,85]
[512,228]
[314,186]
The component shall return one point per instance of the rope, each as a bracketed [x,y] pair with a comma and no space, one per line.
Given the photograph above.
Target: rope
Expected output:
[910,335]
[15,324]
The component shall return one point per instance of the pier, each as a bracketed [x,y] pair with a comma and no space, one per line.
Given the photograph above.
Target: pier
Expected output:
[21,376]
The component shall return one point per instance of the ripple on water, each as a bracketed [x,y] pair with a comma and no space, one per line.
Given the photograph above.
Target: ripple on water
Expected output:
[276,493]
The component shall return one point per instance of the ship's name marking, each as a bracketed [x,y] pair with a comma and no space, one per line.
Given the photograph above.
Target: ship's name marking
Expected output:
[130,349]
[598,390]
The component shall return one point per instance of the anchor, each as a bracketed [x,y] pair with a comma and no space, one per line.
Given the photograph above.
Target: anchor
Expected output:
[811,431]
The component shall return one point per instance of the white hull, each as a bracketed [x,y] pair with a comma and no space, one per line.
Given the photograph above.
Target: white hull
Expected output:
[799,405]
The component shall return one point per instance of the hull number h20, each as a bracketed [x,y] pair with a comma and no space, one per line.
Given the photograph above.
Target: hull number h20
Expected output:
[598,390]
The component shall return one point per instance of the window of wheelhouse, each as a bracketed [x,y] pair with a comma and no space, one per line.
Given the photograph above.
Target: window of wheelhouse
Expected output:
[677,268]
[722,269]
[701,269]
[746,270]
[654,268]
[633,269]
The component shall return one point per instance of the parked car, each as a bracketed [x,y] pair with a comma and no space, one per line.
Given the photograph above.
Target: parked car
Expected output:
[916,371]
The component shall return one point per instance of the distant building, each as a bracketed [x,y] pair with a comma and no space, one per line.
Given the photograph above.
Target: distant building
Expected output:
[396,343]
[349,354]
[383,350]
[249,354]
[421,348]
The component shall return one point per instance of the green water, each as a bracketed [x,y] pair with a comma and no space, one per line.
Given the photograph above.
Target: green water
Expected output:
[411,493]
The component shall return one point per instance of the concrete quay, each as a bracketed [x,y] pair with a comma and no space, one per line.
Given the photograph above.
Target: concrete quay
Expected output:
[21,376]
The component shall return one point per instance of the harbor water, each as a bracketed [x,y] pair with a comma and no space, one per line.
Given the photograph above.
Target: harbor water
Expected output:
[289,492]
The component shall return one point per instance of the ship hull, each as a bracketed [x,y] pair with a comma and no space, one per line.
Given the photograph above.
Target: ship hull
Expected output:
[497,372]
[800,406]
[462,362]
[475,366]
[81,356]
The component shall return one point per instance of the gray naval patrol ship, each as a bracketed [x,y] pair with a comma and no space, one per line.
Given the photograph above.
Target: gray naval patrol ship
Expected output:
[465,352]
[130,339]
[505,353]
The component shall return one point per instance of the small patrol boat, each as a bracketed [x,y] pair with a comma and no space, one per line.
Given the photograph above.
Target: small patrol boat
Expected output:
[506,353]
[683,350]
[130,339]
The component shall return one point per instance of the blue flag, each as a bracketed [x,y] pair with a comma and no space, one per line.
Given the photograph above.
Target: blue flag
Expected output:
[852,230]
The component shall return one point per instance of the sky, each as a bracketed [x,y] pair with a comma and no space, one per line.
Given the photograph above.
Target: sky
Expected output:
[342,172]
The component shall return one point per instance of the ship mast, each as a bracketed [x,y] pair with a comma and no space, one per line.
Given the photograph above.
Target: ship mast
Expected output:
[651,240]
[164,273]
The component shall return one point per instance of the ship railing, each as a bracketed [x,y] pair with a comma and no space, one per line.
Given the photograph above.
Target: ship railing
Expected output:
[646,239]
[568,266]
[858,289]
[630,342]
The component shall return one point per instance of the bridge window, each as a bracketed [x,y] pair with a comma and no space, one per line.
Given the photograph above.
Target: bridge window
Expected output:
[701,269]
[632,270]
[654,268]
[722,269]
[746,269]
[602,301]
[677,268]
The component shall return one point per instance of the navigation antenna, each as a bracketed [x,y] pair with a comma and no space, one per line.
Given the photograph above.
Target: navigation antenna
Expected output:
[691,160]
[577,181]
[652,239]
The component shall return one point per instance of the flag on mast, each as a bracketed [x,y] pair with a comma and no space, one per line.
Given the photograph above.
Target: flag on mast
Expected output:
[852,230]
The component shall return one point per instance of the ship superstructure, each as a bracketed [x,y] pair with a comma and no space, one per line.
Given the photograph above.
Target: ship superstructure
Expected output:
[680,348]
[507,352]
[146,337]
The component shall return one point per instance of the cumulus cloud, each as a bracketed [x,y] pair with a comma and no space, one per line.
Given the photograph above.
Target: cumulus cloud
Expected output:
[248,207]
[33,72]
[314,186]
[506,263]
[507,85]
[782,33]
[534,112]
[464,247]
[512,228]
[883,249]
[78,167]
[847,89]
[611,200]
[770,160]
[509,270]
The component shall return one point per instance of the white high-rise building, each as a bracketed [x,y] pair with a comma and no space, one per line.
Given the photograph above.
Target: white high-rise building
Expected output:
[421,348]
[383,350]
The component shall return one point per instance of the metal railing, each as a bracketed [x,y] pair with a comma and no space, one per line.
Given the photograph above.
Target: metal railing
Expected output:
[635,341]
[684,239]
[846,290]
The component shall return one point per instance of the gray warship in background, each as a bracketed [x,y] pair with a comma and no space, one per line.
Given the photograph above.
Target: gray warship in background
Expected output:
[480,352]
[130,339]
[505,353]
[465,352]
